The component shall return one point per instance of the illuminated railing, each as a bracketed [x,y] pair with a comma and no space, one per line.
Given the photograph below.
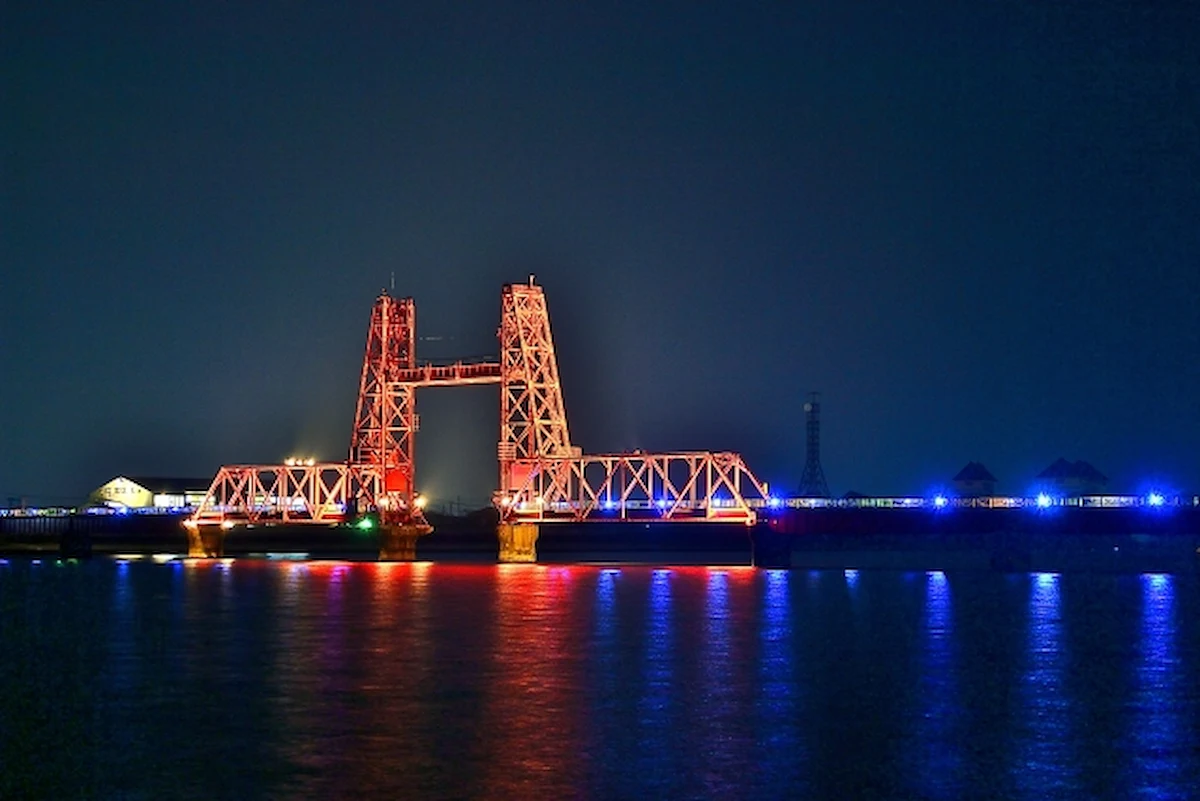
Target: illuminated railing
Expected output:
[297,505]
[63,511]
[457,374]
[37,511]
[939,502]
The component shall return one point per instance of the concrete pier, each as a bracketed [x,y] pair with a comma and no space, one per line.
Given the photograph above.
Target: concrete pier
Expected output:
[205,541]
[399,543]
[518,542]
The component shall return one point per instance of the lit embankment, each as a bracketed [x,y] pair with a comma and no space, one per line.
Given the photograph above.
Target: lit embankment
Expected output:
[1092,532]
[1103,532]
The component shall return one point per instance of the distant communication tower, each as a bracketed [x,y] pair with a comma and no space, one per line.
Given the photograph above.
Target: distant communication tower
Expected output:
[812,483]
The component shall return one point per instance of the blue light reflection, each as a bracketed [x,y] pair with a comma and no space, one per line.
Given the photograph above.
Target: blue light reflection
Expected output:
[654,712]
[782,751]
[1158,729]
[717,703]
[121,651]
[941,758]
[605,600]
[1047,764]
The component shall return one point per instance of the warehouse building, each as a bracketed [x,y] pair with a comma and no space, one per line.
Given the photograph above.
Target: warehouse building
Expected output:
[131,492]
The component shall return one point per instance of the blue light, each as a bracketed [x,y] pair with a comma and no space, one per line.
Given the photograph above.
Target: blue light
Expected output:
[662,504]
[1156,581]
[609,505]
[1046,579]
[939,501]
[1155,499]
[773,503]
[1043,500]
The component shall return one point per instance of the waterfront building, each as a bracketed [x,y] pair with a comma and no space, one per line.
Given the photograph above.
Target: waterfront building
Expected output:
[974,481]
[128,492]
[1071,478]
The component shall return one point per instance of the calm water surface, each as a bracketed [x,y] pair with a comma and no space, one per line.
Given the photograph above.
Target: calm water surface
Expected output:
[258,679]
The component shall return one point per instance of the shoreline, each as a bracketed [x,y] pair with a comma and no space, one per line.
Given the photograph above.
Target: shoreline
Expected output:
[1023,551]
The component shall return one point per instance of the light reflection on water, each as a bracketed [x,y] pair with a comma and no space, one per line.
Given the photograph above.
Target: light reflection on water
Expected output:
[716,702]
[1161,737]
[655,711]
[1047,764]
[781,749]
[322,679]
[941,759]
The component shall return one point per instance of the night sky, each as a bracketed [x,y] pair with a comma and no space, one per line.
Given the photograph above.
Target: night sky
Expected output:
[974,227]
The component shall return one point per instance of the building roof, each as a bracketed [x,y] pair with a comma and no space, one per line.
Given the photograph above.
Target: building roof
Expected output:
[170,486]
[974,471]
[1090,473]
[1080,470]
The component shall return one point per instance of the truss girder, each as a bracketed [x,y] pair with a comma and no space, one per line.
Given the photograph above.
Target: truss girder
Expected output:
[687,486]
[451,375]
[318,493]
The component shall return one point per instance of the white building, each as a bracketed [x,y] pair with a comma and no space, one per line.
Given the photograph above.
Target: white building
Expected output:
[142,492]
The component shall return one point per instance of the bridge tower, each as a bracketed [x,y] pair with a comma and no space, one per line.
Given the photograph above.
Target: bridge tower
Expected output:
[385,423]
[812,482]
[533,419]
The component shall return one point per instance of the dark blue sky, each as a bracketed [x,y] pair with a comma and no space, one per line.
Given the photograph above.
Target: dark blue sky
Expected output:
[974,227]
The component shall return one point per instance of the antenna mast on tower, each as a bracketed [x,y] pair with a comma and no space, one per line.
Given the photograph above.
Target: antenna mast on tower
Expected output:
[812,483]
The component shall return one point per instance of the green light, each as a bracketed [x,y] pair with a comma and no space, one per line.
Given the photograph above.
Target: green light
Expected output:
[366,524]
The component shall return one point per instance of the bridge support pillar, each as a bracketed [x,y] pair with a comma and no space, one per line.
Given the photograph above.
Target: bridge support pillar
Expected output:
[770,548]
[518,542]
[205,541]
[399,543]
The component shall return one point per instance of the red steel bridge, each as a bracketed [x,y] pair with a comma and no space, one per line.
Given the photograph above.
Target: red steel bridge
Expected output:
[543,477]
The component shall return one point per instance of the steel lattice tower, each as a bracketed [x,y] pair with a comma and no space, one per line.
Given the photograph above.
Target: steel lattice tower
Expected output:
[385,419]
[812,483]
[533,419]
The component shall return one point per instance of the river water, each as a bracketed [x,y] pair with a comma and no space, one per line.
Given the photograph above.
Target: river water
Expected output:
[265,679]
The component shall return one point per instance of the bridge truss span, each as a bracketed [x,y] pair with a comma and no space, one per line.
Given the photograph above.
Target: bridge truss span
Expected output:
[267,494]
[458,374]
[691,486]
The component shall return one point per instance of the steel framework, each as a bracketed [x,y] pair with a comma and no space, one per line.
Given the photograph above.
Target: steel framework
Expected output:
[273,493]
[692,486]
[543,477]
[533,419]
[385,420]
